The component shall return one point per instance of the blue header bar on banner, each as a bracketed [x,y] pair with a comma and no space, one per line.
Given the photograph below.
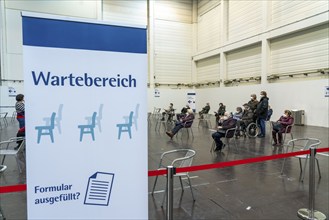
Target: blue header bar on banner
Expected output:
[80,35]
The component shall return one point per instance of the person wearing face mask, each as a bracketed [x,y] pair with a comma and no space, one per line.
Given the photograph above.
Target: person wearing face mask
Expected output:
[220,112]
[253,102]
[246,119]
[238,114]
[261,113]
[280,126]
[227,123]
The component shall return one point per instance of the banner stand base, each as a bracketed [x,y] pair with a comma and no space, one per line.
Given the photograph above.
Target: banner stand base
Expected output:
[305,213]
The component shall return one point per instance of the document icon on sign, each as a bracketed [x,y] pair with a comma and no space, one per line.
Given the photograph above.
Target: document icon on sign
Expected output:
[99,188]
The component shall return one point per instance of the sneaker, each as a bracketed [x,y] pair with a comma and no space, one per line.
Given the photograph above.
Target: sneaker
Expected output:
[260,136]
[274,144]
[218,149]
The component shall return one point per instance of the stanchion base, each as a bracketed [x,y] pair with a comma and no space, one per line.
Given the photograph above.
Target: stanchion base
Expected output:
[305,213]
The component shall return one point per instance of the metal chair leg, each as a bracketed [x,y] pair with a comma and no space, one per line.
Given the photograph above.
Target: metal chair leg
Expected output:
[155,182]
[181,183]
[304,169]
[189,181]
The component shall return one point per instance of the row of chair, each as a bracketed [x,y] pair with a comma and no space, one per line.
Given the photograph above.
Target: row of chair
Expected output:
[13,147]
[95,120]
[184,158]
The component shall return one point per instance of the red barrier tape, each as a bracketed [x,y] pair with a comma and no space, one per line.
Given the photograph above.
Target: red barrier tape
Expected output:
[22,187]
[15,188]
[235,162]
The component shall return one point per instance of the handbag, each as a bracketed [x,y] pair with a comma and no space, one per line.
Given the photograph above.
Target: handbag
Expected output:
[277,126]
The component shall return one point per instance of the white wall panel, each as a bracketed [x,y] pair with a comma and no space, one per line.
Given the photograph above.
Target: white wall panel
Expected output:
[173,48]
[125,12]
[244,19]
[173,10]
[172,41]
[206,5]
[13,32]
[245,62]
[72,8]
[15,67]
[209,26]
[287,11]
[208,69]
[301,51]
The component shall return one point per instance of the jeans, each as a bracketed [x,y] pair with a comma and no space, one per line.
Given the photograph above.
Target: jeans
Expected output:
[261,122]
[21,122]
[217,138]
[177,128]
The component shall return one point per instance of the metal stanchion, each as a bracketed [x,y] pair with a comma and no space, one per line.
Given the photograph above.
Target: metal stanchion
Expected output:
[310,213]
[170,191]
[2,216]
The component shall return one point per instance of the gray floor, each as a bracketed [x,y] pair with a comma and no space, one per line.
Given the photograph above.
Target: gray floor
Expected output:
[251,191]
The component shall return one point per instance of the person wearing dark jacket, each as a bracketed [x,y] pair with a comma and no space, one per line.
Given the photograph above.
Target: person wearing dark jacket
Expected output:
[253,102]
[184,122]
[182,112]
[280,126]
[204,110]
[246,119]
[228,122]
[261,113]
[220,112]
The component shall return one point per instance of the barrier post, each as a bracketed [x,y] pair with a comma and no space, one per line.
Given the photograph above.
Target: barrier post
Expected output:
[2,216]
[310,213]
[170,191]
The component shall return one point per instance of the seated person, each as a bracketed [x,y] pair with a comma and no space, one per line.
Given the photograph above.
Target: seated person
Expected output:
[238,114]
[220,112]
[253,102]
[184,122]
[246,118]
[182,112]
[204,110]
[170,112]
[227,123]
[280,126]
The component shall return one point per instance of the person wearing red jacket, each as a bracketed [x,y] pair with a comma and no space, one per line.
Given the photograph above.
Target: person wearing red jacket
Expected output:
[280,126]
[185,122]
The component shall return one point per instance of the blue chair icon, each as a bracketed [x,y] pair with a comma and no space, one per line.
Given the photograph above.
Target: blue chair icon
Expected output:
[89,128]
[58,119]
[98,118]
[126,127]
[47,129]
[134,121]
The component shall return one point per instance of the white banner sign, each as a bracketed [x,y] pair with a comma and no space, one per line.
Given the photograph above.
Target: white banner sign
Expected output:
[85,94]
[191,100]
